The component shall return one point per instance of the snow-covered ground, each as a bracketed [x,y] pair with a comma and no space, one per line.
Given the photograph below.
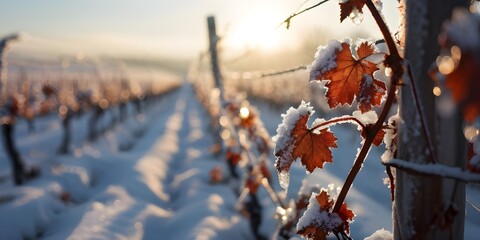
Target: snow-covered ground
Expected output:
[160,187]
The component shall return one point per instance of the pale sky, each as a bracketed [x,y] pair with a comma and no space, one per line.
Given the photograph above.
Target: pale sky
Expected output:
[161,28]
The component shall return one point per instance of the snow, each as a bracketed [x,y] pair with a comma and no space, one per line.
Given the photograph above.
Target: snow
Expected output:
[434,169]
[381,234]
[140,194]
[160,187]
[313,216]
[325,59]
[283,139]
[307,188]
[366,118]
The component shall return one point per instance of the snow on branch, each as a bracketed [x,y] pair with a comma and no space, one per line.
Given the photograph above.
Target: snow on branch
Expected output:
[439,170]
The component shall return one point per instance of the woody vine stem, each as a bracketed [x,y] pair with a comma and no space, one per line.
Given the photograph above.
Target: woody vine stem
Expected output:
[394,61]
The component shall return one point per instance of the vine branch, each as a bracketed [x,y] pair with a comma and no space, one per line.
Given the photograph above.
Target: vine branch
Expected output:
[283,71]
[334,121]
[395,62]
[287,21]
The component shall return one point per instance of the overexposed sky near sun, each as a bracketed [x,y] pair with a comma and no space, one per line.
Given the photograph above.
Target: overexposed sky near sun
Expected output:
[174,28]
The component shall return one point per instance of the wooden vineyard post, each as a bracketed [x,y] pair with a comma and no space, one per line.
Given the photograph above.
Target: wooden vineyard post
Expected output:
[422,202]
[3,66]
[253,205]
[213,39]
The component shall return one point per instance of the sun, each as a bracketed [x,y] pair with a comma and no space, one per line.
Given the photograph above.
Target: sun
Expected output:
[255,30]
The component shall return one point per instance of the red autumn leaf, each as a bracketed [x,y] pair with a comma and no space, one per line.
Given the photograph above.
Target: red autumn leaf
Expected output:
[233,157]
[370,94]
[378,140]
[311,146]
[326,203]
[346,77]
[313,232]
[464,83]
[216,175]
[314,149]
[247,121]
[252,184]
[264,170]
[347,216]
[347,7]
[319,227]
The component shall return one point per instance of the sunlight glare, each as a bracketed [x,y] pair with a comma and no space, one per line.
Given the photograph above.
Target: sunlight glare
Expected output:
[244,112]
[258,29]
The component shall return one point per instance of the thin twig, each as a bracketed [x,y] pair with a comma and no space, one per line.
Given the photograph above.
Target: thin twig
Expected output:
[283,71]
[287,21]
[334,121]
[426,133]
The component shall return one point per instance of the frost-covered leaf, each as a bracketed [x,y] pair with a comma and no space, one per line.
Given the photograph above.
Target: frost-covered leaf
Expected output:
[345,73]
[347,215]
[348,6]
[318,221]
[324,200]
[313,232]
[371,93]
[295,140]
